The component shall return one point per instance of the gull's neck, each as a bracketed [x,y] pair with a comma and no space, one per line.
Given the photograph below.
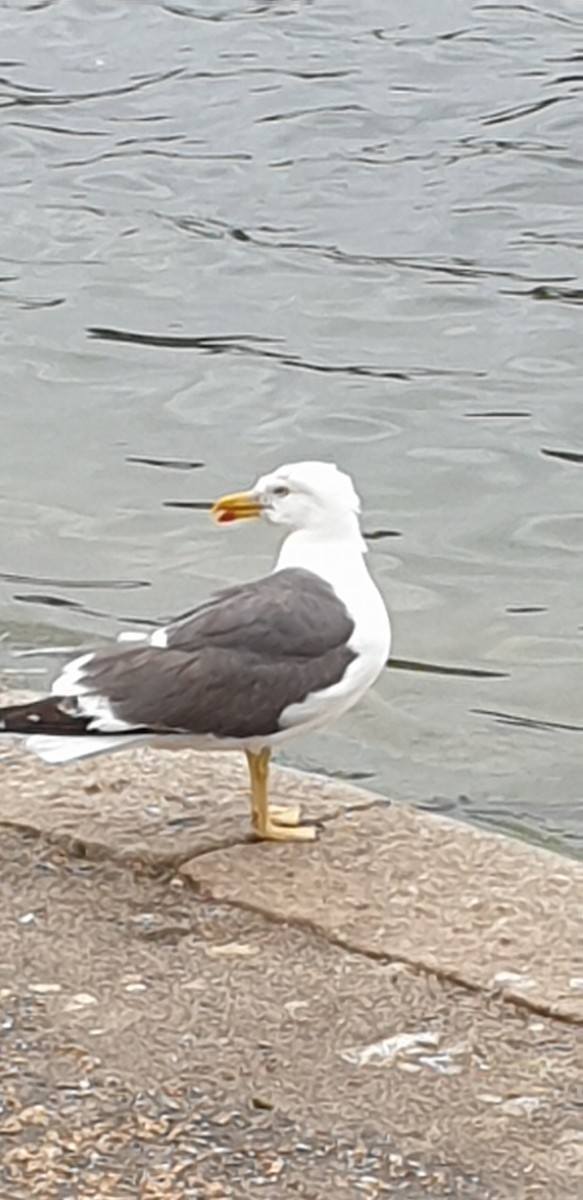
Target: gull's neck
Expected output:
[336,553]
[332,550]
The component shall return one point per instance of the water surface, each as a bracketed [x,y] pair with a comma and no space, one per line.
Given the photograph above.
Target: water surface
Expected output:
[309,230]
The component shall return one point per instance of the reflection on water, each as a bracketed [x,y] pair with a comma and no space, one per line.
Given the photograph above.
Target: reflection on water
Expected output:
[123,585]
[406,664]
[566,455]
[167,464]
[528,722]
[232,345]
[243,234]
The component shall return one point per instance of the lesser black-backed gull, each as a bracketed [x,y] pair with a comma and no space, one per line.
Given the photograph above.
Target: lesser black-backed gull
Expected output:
[247,670]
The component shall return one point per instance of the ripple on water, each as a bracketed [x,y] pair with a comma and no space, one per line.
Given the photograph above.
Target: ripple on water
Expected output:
[561,532]
[535,365]
[352,429]
[298,245]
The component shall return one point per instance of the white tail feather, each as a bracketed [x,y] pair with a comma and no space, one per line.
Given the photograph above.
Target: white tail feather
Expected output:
[66,749]
[69,682]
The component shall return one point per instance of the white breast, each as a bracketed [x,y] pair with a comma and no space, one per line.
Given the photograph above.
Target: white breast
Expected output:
[345,569]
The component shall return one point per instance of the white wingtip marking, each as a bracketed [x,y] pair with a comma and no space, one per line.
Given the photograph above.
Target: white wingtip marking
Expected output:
[68,683]
[89,704]
[159,638]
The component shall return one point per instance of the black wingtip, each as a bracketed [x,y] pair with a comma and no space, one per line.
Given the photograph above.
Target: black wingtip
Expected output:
[46,716]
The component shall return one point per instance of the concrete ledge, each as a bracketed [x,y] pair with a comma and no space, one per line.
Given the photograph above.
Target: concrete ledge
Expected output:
[388,881]
[480,909]
[150,807]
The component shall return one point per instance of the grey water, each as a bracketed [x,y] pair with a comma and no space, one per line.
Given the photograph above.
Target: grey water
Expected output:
[240,232]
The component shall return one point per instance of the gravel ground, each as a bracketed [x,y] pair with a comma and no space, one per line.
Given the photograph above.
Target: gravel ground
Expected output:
[101,1141]
[156,1045]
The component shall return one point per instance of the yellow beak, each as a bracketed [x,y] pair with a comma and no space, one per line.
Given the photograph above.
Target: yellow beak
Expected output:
[238,507]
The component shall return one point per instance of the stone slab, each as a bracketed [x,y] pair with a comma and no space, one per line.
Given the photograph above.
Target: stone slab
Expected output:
[487,911]
[155,807]
[478,908]
[160,1046]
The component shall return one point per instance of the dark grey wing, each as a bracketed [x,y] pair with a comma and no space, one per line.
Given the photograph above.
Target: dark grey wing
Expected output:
[292,613]
[232,666]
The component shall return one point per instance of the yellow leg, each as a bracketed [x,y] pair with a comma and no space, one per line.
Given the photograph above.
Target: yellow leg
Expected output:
[278,825]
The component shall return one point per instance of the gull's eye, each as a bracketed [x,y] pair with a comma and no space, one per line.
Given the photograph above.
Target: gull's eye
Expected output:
[281,490]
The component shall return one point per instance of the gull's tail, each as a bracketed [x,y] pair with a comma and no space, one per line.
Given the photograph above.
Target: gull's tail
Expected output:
[49,716]
[57,732]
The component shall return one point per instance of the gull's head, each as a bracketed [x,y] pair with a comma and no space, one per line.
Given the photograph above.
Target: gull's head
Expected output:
[304,495]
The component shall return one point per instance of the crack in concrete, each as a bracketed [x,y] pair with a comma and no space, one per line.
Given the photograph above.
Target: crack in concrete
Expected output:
[161,862]
[167,867]
[250,839]
[452,977]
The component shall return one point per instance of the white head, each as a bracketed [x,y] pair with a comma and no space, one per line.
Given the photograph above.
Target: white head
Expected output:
[306,494]
[313,496]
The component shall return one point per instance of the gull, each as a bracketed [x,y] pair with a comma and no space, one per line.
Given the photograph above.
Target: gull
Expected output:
[254,666]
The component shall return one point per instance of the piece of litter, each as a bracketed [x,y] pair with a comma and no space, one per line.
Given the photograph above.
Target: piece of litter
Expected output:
[80,1000]
[292,1006]
[135,987]
[44,988]
[442,1063]
[521,1106]
[35,1114]
[387,1050]
[511,979]
[11,1125]
[232,950]
[27,919]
